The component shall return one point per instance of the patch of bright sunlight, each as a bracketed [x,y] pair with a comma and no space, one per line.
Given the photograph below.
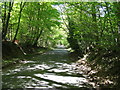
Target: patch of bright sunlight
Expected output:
[12,71]
[40,67]
[63,79]
[62,67]
[23,77]
[27,61]
[58,70]
[36,83]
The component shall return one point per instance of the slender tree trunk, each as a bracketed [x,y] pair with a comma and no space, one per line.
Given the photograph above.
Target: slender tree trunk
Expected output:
[117,12]
[39,32]
[36,40]
[21,8]
[6,20]
[94,13]
[3,19]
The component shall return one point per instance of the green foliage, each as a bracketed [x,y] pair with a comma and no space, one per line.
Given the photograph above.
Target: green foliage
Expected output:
[92,27]
[94,30]
[39,23]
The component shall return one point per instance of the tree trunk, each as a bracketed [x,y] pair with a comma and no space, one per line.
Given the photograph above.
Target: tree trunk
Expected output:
[117,12]
[6,20]
[36,40]
[21,8]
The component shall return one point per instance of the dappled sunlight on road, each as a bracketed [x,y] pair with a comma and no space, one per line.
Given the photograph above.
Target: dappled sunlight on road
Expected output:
[52,69]
[77,81]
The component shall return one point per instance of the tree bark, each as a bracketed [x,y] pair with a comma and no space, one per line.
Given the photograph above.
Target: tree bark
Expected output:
[6,19]
[21,8]
[117,12]
[36,40]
